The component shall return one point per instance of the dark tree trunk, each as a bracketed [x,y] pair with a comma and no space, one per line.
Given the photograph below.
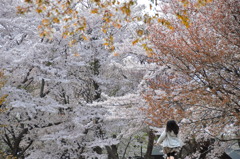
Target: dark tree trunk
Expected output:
[112,152]
[97,91]
[42,88]
[14,142]
[95,65]
[151,137]
[98,150]
[125,150]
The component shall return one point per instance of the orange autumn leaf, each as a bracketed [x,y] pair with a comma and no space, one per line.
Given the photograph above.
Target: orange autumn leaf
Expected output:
[135,41]
[45,22]
[94,11]
[56,20]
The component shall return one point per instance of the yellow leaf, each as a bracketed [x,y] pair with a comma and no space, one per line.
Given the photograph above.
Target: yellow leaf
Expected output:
[40,27]
[111,38]
[63,6]
[115,54]
[112,48]
[40,2]
[170,27]
[66,26]
[147,20]
[126,10]
[43,33]
[201,3]
[165,23]
[117,25]
[69,11]
[144,45]
[104,30]
[150,54]
[102,5]
[140,32]
[94,11]
[3,99]
[44,8]
[135,41]
[131,2]
[184,19]
[185,3]
[84,37]
[28,1]
[75,24]
[76,54]
[66,19]
[21,10]
[106,19]
[139,18]
[65,34]
[80,28]
[56,20]
[45,22]
[113,2]
[72,42]
[38,10]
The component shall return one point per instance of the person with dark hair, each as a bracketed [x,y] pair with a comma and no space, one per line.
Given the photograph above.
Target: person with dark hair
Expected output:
[170,140]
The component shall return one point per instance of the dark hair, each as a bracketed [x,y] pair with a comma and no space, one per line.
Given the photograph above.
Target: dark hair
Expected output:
[172,126]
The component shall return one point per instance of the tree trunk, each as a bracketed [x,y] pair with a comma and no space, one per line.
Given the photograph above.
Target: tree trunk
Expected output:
[14,142]
[151,137]
[125,150]
[112,152]
[42,88]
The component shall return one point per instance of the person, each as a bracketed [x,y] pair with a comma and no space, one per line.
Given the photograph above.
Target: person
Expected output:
[170,140]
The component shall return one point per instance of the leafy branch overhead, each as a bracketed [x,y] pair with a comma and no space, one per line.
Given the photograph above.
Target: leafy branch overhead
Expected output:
[68,16]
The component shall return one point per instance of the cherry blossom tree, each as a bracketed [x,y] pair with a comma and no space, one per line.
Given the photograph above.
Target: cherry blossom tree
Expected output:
[197,46]
[52,84]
